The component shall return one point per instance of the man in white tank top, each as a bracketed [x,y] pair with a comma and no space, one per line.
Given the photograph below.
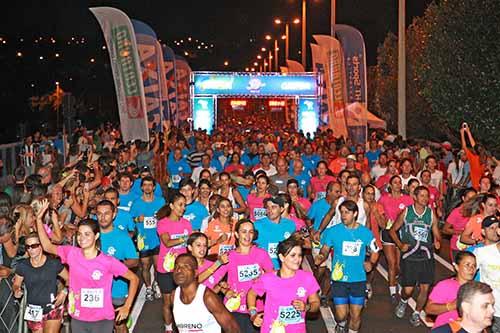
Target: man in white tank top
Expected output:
[196,308]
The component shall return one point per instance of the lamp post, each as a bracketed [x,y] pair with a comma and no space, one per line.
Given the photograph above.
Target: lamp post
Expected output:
[276,49]
[304,59]
[401,69]
[287,34]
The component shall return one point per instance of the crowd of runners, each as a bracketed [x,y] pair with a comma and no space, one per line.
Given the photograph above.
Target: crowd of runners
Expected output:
[217,226]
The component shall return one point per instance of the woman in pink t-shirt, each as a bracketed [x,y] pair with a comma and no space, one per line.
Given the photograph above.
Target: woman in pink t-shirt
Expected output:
[173,231]
[246,264]
[90,278]
[287,212]
[197,245]
[393,202]
[255,201]
[302,204]
[318,183]
[443,298]
[290,293]
[456,222]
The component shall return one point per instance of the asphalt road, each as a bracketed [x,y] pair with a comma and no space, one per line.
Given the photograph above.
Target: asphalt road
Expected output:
[378,315]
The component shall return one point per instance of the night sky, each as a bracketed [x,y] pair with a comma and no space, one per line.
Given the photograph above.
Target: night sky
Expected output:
[236,29]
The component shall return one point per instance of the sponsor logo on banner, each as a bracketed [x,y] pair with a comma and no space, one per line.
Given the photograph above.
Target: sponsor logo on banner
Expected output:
[170,77]
[122,48]
[150,70]
[183,75]
[127,66]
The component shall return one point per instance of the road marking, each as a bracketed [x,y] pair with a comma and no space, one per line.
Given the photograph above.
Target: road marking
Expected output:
[326,311]
[139,303]
[411,301]
[444,262]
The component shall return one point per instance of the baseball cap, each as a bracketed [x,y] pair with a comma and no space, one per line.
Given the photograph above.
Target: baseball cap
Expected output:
[145,169]
[489,220]
[277,201]
[351,157]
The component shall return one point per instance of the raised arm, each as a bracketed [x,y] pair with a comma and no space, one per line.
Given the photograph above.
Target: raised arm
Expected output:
[42,234]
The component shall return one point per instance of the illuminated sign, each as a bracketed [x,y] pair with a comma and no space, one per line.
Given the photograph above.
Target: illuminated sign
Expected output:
[203,113]
[237,103]
[277,103]
[308,119]
[254,84]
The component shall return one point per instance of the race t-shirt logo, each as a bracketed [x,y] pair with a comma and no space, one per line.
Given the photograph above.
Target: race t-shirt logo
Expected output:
[96,275]
[301,292]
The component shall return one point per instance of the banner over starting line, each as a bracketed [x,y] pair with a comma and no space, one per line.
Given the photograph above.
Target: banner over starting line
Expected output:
[206,87]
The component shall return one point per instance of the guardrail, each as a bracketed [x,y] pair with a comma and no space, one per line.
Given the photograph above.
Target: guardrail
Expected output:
[11,319]
[9,153]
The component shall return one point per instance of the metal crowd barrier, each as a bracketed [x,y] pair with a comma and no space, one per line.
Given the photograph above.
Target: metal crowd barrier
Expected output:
[9,153]
[11,318]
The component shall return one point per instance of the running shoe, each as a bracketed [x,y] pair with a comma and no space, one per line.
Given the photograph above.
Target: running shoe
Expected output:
[157,291]
[149,294]
[394,299]
[340,329]
[415,319]
[400,309]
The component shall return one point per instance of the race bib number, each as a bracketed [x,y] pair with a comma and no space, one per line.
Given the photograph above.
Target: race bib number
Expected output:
[420,234]
[176,179]
[177,236]
[272,249]
[248,272]
[351,249]
[33,313]
[259,213]
[150,222]
[92,298]
[289,315]
[224,248]
[320,195]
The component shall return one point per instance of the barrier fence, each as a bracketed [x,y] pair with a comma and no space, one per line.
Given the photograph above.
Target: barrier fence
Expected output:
[9,153]
[11,319]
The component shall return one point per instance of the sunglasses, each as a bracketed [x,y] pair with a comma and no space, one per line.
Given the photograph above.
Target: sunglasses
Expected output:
[32,246]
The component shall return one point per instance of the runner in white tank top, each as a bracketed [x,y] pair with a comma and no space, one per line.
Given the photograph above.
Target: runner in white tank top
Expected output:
[196,308]
[204,321]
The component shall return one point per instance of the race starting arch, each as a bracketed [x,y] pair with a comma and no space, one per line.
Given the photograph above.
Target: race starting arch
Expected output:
[207,87]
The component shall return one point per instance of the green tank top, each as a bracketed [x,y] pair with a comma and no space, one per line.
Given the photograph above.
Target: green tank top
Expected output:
[417,231]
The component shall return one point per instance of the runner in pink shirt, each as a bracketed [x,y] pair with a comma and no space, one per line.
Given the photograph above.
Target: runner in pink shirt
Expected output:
[456,222]
[287,213]
[197,244]
[90,278]
[318,184]
[443,298]
[246,263]
[393,202]
[173,231]
[290,293]
[302,204]
[255,201]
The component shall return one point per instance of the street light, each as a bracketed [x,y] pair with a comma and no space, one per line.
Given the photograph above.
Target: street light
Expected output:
[286,37]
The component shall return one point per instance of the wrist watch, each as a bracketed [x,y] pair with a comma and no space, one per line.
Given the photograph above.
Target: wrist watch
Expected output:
[252,312]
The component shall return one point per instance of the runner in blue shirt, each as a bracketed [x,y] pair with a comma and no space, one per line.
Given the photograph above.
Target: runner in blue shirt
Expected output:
[178,168]
[310,159]
[117,244]
[126,196]
[251,158]
[298,172]
[137,186]
[143,212]
[273,228]
[349,241]
[195,211]
[123,220]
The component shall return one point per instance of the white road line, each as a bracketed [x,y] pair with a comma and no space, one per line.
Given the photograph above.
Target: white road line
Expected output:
[326,311]
[411,301]
[443,262]
[139,303]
